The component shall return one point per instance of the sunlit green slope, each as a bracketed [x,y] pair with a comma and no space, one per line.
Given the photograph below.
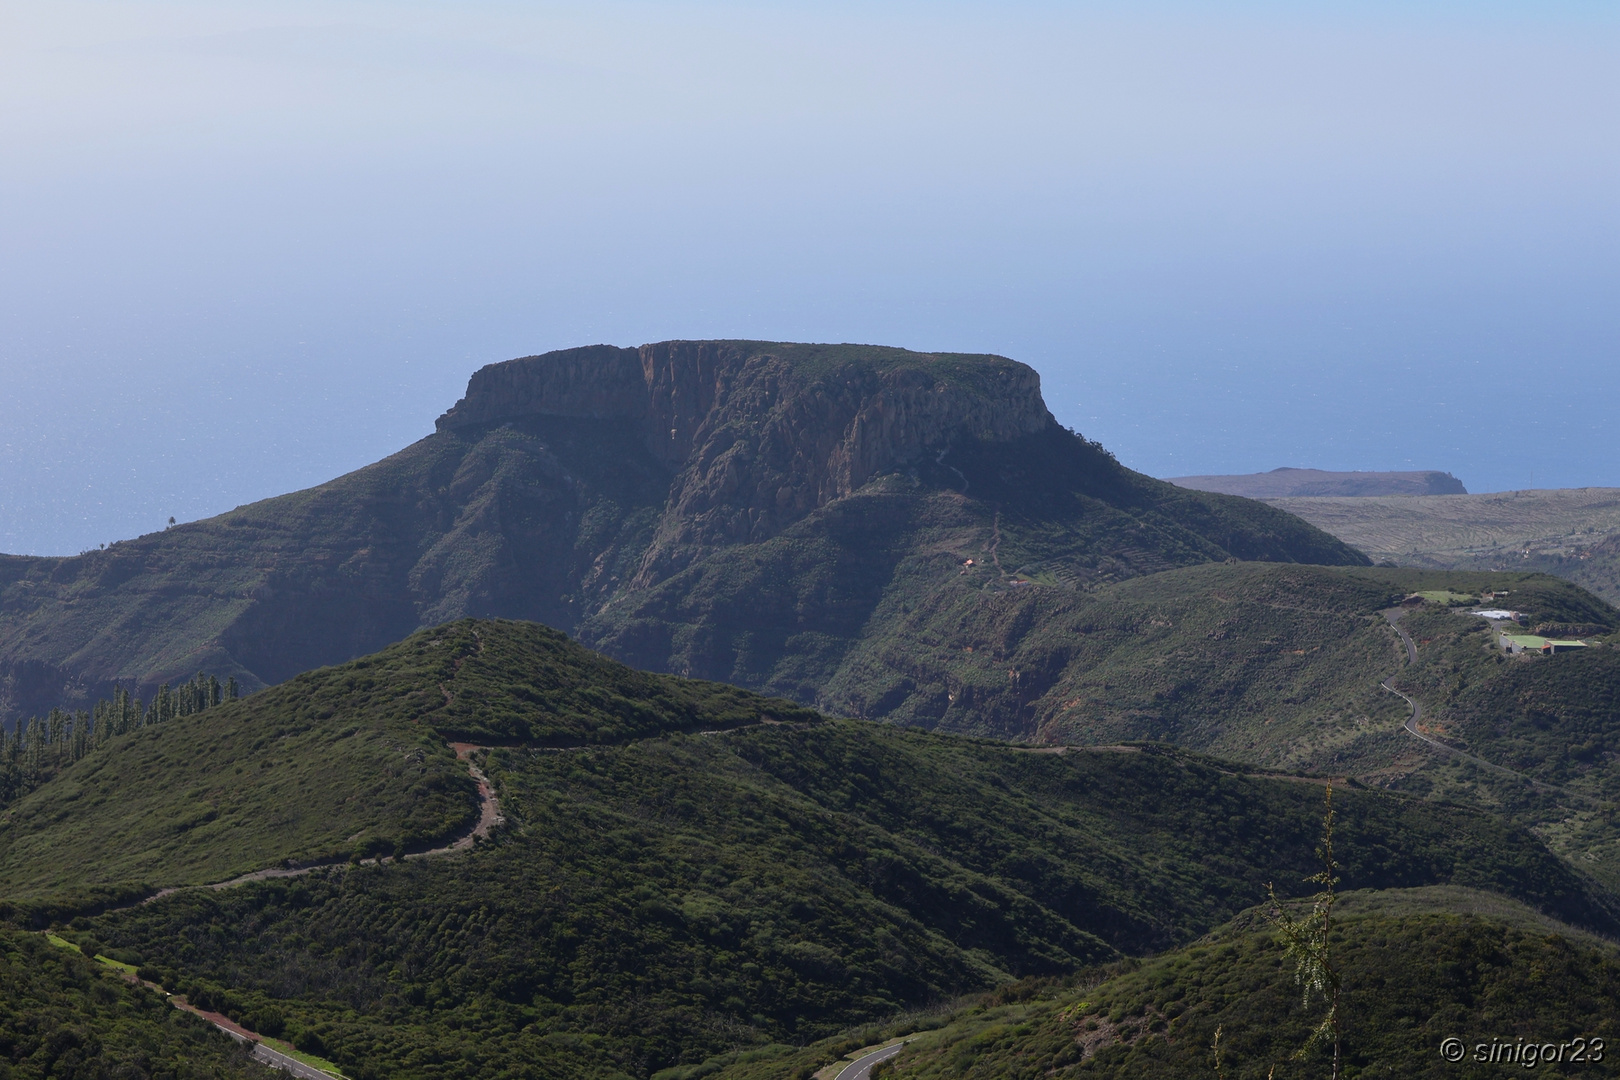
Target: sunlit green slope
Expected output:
[353,758]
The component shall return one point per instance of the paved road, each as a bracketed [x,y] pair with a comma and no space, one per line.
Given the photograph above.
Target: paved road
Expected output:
[1412,722]
[267,1055]
[277,1060]
[861,1067]
[1393,615]
[273,1058]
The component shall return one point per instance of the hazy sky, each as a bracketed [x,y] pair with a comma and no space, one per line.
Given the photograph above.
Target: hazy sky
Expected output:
[248,246]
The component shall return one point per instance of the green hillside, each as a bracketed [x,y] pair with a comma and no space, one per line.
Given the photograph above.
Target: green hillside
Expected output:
[1281,666]
[63,1016]
[686,870]
[1276,664]
[800,612]
[1548,727]
[1414,976]
[346,759]
[727,510]
[656,903]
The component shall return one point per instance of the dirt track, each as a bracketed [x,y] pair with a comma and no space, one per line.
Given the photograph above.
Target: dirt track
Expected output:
[489,816]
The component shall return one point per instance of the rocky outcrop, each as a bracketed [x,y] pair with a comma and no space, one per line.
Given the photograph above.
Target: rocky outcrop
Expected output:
[764,434]
[759,434]
[596,382]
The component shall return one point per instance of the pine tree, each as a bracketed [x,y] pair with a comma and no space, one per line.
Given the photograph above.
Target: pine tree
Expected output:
[55,731]
[39,747]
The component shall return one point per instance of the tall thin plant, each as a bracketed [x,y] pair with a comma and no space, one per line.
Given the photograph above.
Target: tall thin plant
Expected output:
[1305,941]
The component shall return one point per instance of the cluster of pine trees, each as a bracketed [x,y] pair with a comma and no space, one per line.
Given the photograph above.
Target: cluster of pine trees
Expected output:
[41,745]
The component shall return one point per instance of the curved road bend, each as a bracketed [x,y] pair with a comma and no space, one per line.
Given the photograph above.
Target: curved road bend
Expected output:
[861,1067]
[489,816]
[1393,615]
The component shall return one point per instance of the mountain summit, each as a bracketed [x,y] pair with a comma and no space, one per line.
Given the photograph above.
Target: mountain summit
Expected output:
[744,511]
[756,434]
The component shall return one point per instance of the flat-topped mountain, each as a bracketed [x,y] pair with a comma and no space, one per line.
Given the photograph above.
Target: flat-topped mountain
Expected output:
[1290,483]
[743,511]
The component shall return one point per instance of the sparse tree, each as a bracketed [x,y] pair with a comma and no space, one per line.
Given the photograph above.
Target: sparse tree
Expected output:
[1305,941]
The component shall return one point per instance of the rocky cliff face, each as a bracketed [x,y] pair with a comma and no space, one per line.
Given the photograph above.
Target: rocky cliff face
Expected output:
[757,434]
[595,382]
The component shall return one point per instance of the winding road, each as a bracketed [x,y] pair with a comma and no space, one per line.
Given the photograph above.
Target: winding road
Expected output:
[489,816]
[1394,615]
[861,1067]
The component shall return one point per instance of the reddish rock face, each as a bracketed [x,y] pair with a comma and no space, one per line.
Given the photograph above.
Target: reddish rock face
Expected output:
[758,434]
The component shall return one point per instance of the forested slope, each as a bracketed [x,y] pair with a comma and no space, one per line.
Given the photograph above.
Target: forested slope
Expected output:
[1415,974]
[662,901]
[63,1016]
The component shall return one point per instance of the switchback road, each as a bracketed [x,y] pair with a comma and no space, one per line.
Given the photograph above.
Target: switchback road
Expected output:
[1393,615]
